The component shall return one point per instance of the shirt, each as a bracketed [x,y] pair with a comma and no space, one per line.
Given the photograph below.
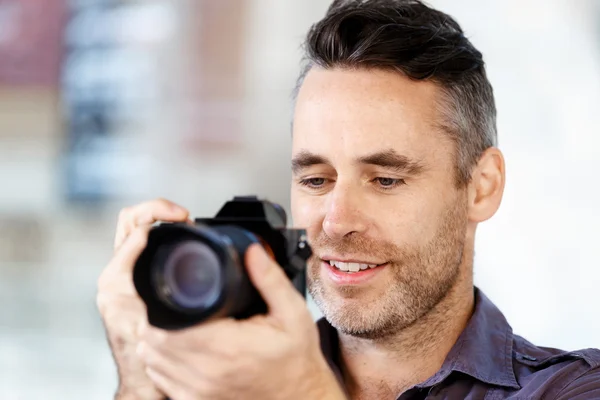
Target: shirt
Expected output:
[489,362]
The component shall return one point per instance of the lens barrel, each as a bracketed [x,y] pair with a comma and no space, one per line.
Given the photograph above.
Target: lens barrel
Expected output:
[188,274]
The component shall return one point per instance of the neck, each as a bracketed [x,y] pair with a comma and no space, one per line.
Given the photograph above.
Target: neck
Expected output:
[385,368]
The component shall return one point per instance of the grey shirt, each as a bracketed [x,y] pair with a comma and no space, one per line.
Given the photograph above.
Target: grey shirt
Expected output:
[488,361]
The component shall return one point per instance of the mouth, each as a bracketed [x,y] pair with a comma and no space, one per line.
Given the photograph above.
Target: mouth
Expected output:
[351,267]
[350,272]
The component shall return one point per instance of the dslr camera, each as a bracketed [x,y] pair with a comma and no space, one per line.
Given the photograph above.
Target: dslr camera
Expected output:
[189,273]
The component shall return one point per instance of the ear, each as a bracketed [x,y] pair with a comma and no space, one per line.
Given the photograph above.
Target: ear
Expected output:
[487,185]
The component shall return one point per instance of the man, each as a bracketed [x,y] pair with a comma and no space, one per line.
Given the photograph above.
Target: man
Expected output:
[394,166]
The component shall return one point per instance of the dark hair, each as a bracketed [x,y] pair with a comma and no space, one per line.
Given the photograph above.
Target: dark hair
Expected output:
[423,44]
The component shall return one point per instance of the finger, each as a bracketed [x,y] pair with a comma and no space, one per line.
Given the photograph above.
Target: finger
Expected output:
[283,300]
[180,370]
[117,276]
[147,213]
[126,256]
[174,390]
[203,337]
[161,368]
[157,358]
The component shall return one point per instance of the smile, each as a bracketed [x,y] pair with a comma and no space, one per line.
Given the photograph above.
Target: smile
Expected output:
[351,266]
[350,272]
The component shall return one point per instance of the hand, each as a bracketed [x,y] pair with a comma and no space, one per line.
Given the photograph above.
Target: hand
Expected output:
[273,356]
[122,310]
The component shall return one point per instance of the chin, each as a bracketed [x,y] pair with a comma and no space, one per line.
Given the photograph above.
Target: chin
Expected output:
[348,308]
[365,313]
[362,323]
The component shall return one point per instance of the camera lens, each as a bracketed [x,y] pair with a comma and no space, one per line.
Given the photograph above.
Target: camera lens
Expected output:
[191,278]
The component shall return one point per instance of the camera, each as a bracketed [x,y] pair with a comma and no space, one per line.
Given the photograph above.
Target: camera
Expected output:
[190,273]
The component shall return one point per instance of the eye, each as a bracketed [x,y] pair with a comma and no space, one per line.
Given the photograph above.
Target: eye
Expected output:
[386,181]
[389,183]
[313,182]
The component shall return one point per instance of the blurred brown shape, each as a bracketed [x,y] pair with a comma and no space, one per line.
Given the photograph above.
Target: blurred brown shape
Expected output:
[27,113]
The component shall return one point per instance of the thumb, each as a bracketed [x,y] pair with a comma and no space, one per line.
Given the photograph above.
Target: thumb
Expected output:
[283,300]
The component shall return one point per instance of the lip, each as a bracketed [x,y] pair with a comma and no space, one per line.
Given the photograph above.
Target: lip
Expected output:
[356,278]
[349,260]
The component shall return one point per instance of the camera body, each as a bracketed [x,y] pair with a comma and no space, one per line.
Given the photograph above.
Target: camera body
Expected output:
[189,273]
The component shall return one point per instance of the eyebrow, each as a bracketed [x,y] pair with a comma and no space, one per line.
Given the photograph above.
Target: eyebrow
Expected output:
[389,159]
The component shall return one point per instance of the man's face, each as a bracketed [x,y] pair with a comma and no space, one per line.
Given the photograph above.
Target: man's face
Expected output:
[374,185]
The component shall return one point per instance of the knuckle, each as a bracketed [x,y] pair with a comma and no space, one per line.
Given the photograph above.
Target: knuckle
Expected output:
[103,300]
[109,307]
[104,280]
[124,213]
[160,202]
[101,303]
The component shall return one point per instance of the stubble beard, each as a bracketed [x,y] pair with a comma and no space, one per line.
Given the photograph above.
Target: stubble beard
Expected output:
[421,277]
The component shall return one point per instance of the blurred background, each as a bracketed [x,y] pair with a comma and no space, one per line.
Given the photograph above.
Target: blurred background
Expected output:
[105,103]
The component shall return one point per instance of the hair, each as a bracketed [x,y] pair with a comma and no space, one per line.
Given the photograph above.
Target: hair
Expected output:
[423,44]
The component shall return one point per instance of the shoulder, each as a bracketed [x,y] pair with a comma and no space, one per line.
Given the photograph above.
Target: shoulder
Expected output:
[586,386]
[555,373]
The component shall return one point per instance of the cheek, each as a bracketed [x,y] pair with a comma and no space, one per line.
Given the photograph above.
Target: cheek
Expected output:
[407,219]
[419,221]
[426,217]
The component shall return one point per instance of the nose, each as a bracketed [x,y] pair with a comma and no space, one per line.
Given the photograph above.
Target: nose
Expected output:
[345,214]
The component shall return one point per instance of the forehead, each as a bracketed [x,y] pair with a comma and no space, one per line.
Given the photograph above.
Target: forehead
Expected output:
[360,110]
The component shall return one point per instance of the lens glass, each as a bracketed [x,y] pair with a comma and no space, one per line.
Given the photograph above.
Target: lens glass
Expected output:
[192,275]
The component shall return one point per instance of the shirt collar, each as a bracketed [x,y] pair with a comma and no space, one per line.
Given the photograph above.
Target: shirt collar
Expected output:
[483,350]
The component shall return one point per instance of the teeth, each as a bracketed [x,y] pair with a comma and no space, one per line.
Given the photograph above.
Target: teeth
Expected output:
[350,267]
